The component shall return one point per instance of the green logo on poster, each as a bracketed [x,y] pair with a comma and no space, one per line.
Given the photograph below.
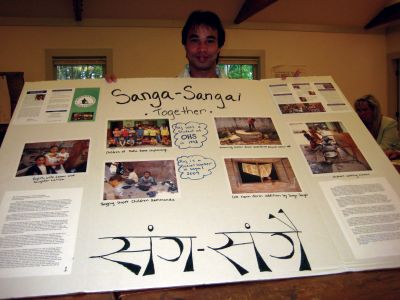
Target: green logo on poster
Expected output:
[85,101]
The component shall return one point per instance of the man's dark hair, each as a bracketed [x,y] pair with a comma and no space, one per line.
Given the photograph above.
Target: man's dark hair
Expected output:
[207,18]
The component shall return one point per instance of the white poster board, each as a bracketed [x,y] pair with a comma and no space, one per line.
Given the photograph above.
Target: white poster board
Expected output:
[174,182]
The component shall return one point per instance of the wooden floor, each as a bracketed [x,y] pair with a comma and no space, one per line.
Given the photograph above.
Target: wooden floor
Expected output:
[377,285]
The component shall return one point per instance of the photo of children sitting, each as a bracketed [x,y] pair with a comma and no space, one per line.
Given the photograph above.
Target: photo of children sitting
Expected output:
[139,179]
[58,157]
[136,133]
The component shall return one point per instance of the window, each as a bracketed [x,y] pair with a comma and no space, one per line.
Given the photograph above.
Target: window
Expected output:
[240,68]
[242,64]
[65,64]
[79,67]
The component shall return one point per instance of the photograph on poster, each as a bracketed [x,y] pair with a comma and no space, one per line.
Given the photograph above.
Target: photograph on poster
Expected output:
[138,133]
[296,108]
[139,179]
[246,131]
[40,97]
[305,92]
[55,157]
[328,147]
[261,175]
[82,116]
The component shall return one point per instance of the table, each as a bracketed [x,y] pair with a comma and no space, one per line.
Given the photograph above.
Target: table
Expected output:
[381,284]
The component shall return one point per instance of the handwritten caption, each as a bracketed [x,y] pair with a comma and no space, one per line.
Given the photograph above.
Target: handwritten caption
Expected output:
[195,167]
[351,175]
[114,203]
[256,146]
[272,195]
[51,178]
[121,151]
[189,135]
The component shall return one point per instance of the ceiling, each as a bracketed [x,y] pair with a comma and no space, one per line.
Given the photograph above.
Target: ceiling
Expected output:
[326,15]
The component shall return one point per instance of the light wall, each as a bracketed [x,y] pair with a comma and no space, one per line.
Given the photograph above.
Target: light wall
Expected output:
[357,62]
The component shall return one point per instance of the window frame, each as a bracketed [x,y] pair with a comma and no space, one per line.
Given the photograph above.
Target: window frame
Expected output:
[250,57]
[78,56]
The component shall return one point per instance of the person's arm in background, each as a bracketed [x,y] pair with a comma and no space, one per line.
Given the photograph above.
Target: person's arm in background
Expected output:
[393,154]
[388,136]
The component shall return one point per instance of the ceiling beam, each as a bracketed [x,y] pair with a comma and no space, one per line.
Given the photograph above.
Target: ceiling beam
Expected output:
[388,14]
[78,9]
[250,8]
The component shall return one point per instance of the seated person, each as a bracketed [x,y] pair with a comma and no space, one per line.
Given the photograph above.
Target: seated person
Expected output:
[314,137]
[139,134]
[146,181]
[40,168]
[132,177]
[383,129]
[117,182]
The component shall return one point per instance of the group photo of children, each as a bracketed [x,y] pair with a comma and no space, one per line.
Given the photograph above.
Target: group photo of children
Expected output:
[56,157]
[133,133]
[139,179]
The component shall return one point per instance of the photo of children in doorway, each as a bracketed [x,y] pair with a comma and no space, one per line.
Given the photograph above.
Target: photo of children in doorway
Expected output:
[55,157]
[139,179]
[138,133]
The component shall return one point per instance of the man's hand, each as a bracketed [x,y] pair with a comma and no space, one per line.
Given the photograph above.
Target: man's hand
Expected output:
[110,78]
[297,73]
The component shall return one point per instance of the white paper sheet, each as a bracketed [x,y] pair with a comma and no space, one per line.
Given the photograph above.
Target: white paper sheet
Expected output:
[38,232]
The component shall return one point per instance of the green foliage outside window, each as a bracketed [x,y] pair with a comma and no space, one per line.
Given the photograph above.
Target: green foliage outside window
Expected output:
[239,71]
[65,72]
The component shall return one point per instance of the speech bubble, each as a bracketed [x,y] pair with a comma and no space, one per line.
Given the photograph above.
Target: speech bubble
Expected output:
[189,135]
[195,167]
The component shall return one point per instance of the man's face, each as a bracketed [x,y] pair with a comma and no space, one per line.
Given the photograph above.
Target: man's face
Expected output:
[202,48]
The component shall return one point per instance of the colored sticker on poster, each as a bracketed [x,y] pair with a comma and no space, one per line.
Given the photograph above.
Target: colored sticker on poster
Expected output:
[84,105]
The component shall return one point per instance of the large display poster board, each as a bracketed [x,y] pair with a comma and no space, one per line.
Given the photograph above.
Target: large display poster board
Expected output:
[150,183]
